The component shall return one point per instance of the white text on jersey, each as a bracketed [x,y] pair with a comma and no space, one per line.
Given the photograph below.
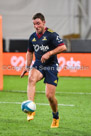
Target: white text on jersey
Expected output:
[42,47]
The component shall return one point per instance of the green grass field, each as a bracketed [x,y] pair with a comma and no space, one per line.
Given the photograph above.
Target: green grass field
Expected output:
[74,97]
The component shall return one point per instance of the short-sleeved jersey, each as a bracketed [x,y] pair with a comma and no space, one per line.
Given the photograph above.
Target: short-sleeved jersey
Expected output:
[47,42]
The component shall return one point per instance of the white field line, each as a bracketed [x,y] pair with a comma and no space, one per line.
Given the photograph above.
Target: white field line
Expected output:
[64,92]
[43,104]
[79,93]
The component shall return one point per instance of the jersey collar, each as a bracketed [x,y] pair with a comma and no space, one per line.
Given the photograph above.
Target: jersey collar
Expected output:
[40,35]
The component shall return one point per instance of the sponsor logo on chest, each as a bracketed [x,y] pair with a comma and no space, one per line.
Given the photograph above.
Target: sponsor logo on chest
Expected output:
[42,47]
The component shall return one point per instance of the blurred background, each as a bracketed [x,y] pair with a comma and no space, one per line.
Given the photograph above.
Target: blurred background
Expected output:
[71,19]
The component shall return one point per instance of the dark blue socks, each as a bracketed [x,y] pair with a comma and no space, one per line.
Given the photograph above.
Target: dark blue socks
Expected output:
[55,115]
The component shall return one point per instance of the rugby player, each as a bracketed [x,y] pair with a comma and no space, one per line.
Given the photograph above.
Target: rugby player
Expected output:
[45,44]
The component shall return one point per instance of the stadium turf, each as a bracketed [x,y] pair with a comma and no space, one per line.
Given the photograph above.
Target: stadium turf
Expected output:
[74,98]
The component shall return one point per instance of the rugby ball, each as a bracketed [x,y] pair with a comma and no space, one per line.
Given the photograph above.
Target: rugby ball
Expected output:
[28,106]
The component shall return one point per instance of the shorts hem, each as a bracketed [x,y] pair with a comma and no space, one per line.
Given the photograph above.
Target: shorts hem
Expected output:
[50,83]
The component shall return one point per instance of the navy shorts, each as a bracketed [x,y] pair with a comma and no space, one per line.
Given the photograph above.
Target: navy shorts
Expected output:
[49,72]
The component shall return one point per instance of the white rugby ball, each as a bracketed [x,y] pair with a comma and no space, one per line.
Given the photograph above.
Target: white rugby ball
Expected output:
[28,106]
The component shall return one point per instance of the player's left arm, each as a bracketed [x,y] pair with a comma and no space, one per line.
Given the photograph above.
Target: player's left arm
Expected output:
[58,50]
[55,51]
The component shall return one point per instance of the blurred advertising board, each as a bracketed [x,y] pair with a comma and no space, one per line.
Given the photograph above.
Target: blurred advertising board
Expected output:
[70,64]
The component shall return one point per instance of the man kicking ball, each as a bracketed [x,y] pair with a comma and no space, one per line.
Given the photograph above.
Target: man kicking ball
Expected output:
[45,44]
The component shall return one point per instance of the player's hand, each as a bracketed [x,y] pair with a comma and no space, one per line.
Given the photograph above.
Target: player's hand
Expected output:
[24,72]
[45,57]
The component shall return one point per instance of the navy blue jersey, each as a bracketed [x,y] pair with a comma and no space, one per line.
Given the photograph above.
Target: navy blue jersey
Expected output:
[47,42]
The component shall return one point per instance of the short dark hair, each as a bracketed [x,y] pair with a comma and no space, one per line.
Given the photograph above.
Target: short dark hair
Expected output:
[39,15]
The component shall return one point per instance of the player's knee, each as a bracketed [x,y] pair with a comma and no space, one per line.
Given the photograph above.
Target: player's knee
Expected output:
[31,80]
[49,96]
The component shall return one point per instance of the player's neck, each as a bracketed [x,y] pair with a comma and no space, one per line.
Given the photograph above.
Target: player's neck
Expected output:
[45,28]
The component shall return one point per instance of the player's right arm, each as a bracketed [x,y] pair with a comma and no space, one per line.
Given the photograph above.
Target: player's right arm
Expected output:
[29,57]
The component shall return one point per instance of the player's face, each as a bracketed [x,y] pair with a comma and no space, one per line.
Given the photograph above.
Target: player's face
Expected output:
[39,25]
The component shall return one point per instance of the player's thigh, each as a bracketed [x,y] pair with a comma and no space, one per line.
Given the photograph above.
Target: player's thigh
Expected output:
[50,90]
[35,75]
[51,75]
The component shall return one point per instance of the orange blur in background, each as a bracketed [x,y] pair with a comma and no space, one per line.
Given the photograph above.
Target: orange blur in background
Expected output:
[1,55]
[70,64]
